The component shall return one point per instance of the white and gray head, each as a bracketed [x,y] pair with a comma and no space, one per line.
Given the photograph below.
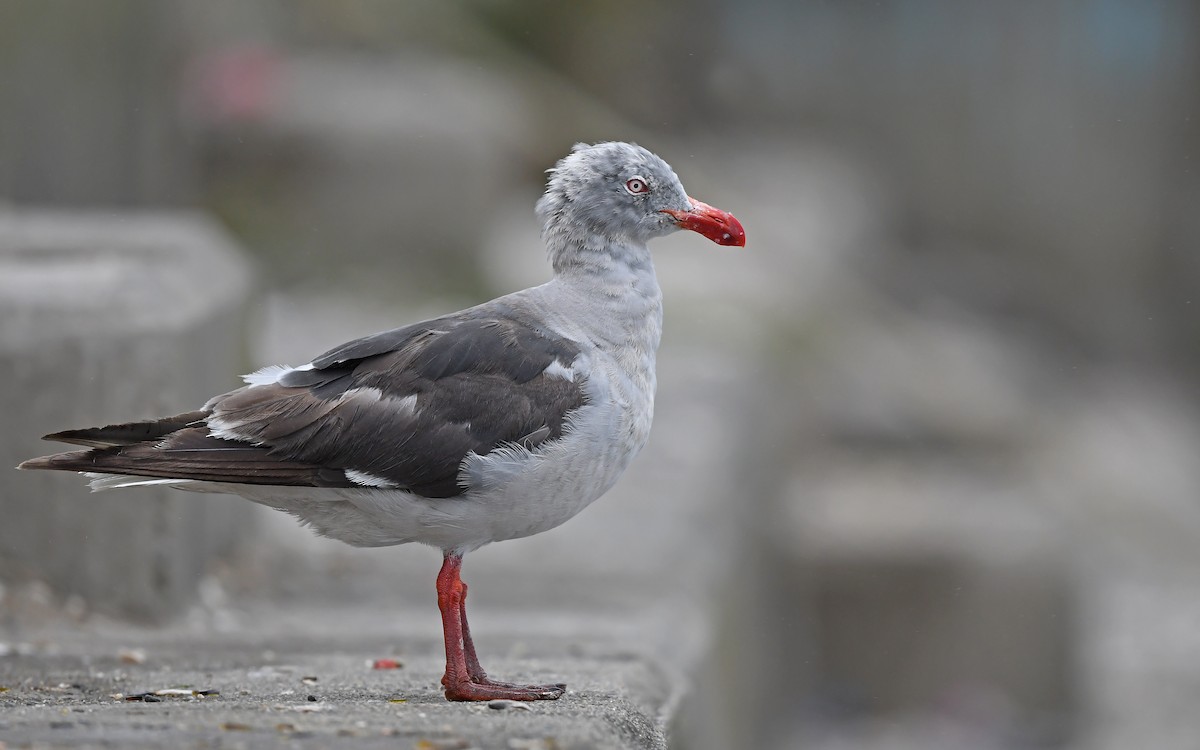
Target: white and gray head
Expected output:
[620,193]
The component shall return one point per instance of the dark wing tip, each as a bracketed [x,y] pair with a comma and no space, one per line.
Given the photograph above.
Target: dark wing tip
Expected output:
[74,437]
[128,433]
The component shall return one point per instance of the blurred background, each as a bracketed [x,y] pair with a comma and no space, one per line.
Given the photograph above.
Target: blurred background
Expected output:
[964,328]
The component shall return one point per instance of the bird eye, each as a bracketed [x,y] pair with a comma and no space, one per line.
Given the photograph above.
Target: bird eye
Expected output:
[636,185]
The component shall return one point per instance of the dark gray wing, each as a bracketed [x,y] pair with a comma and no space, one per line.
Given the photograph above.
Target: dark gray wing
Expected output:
[403,408]
[398,409]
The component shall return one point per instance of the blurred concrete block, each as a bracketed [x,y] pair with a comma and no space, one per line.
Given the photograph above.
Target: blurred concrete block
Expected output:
[1115,455]
[104,318]
[383,173]
[927,587]
[940,376]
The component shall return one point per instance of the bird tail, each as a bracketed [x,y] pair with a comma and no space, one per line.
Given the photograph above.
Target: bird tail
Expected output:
[85,462]
[110,436]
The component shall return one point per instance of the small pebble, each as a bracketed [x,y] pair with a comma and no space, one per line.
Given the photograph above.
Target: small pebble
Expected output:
[312,698]
[385,664]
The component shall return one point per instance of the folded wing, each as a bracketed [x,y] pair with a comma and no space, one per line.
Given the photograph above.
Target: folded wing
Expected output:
[400,409]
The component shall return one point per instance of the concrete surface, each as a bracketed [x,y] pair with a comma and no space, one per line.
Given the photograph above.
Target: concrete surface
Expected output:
[106,317]
[73,690]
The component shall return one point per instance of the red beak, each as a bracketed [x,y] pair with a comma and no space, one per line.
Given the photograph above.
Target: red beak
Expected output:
[719,226]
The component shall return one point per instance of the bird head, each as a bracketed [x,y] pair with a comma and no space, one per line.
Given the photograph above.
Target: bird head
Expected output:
[622,192]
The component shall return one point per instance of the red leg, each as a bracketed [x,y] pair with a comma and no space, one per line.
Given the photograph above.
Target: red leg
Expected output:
[465,679]
[475,669]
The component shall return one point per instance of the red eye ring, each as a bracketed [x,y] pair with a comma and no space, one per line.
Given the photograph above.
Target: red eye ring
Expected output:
[636,185]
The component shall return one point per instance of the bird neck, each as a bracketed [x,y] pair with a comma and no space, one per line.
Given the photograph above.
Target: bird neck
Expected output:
[616,291]
[611,267]
[572,248]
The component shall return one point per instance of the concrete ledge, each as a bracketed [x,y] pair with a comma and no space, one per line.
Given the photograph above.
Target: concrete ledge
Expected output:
[104,318]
